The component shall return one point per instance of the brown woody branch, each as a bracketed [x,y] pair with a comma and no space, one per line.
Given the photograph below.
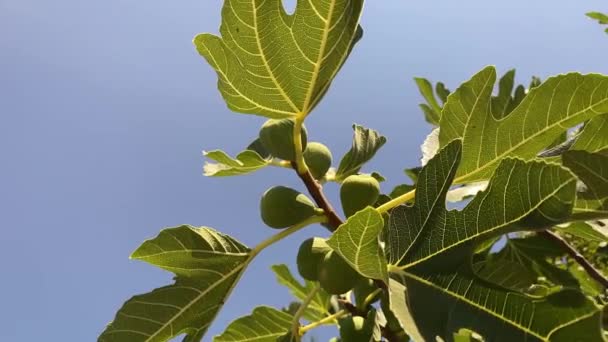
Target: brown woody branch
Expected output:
[333,222]
[578,257]
[316,191]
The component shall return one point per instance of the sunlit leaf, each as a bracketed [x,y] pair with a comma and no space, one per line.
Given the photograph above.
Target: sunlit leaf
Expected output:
[318,307]
[535,193]
[584,231]
[265,324]
[400,308]
[594,136]
[207,264]
[245,162]
[276,64]
[432,110]
[544,114]
[601,18]
[366,142]
[356,241]
[430,249]
[592,170]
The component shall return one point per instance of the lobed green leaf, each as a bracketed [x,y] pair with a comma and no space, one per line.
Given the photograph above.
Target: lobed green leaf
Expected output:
[547,111]
[431,249]
[245,162]
[594,136]
[319,305]
[207,265]
[276,64]
[265,324]
[366,142]
[592,170]
[356,240]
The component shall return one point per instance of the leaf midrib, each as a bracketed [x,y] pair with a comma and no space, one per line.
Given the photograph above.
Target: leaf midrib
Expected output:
[461,178]
[463,298]
[198,297]
[446,183]
[317,64]
[225,78]
[488,231]
[265,61]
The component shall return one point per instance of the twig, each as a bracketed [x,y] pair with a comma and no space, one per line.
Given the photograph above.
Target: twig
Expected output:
[578,257]
[325,320]
[296,318]
[316,191]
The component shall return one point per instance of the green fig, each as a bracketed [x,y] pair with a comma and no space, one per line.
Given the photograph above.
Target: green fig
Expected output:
[362,290]
[310,255]
[277,137]
[358,192]
[335,275]
[282,207]
[318,159]
[356,328]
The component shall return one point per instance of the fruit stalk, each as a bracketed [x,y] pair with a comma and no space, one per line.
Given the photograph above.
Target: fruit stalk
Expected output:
[326,320]
[300,164]
[285,233]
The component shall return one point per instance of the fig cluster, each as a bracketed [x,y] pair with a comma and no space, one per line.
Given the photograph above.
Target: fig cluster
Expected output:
[276,137]
[318,262]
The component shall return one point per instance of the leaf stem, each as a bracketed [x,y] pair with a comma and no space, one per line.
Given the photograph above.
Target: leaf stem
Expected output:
[408,196]
[371,297]
[295,328]
[300,164]
[578,257]
[285,233]
[326,320]
[281,163]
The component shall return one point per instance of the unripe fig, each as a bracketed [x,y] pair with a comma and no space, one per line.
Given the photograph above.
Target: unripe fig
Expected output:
[355,328]
[318,159]
[277,137]
[282,207]
[358,192]
[362,290]
[335,275]
[310,255]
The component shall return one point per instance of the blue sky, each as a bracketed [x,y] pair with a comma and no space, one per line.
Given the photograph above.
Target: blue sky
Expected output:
[106,107]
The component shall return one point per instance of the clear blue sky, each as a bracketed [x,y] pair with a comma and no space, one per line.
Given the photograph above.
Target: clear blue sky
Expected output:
[105,108]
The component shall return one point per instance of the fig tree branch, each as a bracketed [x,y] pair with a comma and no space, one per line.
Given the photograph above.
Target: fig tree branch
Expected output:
[578,257]
[316,191]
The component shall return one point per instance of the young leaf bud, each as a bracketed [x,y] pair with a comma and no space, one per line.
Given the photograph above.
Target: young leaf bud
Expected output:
[277,137]
[282,207]
[318,159]
[358,192]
